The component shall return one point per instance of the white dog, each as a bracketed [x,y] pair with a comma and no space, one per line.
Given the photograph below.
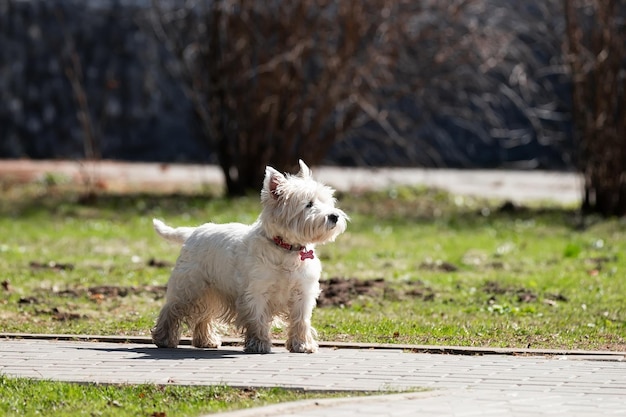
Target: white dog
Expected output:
[251,274]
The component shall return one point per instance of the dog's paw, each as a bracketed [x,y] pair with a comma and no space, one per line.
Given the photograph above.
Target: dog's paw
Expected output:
[211,344]
[257,346]
[165,344]
[296,346]
[164,340]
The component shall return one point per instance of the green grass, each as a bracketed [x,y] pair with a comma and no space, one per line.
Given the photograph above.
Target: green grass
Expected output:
[25,397]
[459,271]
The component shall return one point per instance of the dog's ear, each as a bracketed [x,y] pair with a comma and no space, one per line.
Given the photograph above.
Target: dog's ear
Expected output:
[272,180]
[305,172]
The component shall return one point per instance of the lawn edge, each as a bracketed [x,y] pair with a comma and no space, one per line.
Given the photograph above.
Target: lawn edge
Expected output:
[294,407]
[434,349]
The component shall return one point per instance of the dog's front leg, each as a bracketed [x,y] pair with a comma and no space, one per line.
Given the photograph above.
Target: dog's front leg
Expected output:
[257,340]
[300,334]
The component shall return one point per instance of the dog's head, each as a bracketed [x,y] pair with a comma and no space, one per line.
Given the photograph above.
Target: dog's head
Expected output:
[299,209]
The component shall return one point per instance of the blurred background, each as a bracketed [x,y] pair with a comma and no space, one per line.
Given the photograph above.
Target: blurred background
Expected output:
[499,84]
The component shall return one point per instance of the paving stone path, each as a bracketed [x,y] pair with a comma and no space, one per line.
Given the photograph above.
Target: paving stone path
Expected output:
[460,385]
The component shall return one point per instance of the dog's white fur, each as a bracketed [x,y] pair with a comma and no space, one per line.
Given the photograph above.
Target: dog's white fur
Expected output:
[238,273]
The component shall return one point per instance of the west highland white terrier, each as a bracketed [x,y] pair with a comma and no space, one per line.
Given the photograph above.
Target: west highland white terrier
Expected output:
[249,275]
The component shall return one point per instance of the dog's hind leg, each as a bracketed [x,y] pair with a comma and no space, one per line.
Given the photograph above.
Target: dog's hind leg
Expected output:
[205,335]
[204,314]
[166,333]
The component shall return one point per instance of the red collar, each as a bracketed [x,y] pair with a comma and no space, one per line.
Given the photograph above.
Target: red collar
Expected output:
[304,254]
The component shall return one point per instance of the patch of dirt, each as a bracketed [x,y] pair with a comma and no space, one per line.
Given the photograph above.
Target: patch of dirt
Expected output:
[58,266]
[51,265]
[493,287]
[496,265]
[28,300]
[420,290]
[524,295]
[100,292]
[96,294]
[59,315]
[341,291]
[337,292]
[439,265]
[557,297]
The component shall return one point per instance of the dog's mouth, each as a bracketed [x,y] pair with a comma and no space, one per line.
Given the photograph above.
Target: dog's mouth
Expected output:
[335,224]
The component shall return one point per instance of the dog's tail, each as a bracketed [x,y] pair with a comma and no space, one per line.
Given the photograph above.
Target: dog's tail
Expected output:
[178,235]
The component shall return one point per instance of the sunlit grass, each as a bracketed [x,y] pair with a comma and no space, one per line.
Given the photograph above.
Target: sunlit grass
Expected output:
[24,397]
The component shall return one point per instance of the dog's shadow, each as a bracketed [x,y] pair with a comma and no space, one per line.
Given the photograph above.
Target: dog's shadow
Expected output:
[172,354]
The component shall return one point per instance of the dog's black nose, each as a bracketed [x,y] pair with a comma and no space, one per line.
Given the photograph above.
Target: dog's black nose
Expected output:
[333,218]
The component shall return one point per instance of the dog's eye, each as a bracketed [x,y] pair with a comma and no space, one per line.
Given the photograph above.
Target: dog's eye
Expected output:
[309,204]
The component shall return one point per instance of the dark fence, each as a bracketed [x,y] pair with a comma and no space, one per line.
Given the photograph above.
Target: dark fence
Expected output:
[78,71]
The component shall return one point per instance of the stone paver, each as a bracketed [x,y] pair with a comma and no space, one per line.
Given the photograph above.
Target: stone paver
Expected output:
[461,385]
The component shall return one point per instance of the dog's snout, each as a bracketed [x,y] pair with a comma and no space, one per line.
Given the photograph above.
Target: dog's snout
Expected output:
[333,218]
